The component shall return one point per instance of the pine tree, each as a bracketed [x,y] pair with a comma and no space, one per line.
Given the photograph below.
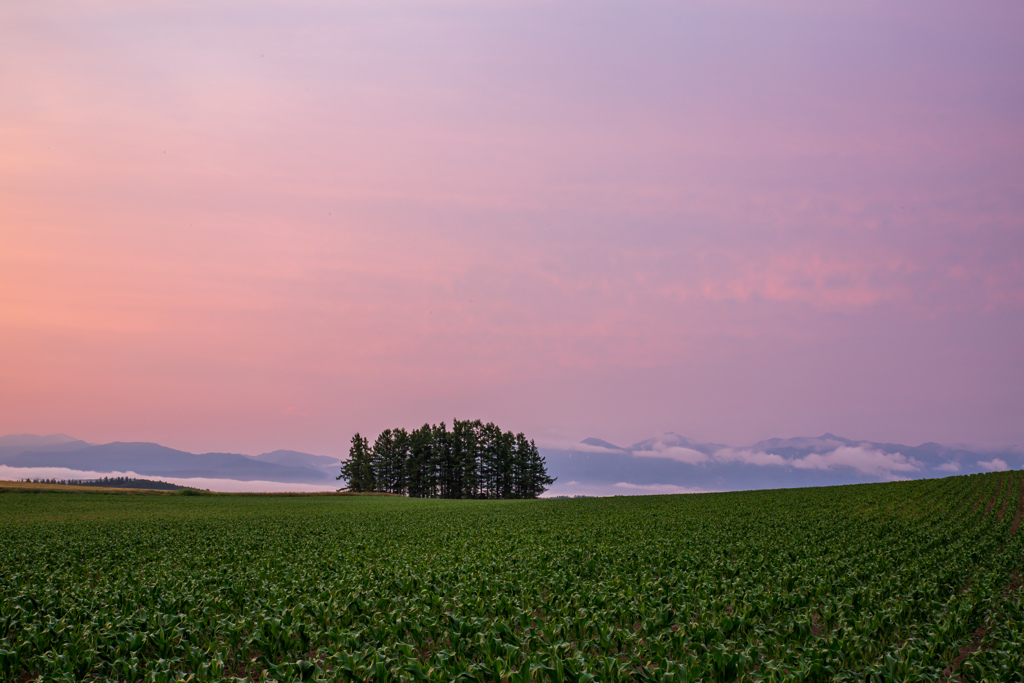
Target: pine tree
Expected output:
[367,469]
[466,453]
[489,447]
[399,461]
[447,467]
[383,456]
[358,469]
[506,460]
[534,474]
[420,473]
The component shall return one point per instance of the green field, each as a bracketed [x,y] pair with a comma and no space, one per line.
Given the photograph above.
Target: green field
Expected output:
[885,582]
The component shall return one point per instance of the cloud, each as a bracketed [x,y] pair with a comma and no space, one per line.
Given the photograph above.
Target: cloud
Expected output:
[949,467]
[587,448]
[994,465]
[677,453]
[865,460]
[750,457]
[563,443]
[223,485]
[622,488]
[655,489]
[860,458]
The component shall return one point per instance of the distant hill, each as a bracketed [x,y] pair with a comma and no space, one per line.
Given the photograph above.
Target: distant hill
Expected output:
[35,440]
[154,460]
[15,444]
[296,458]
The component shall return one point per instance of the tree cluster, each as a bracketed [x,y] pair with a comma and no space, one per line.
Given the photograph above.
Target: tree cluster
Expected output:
[471,460]
[114,482]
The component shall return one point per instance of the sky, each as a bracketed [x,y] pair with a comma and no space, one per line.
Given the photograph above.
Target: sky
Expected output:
[243,226]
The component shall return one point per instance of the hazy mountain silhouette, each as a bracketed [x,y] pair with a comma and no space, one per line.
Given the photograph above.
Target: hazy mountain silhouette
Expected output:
[297,459]
[14,444]
[33,440]
[600,443]
[155,460]
[816,444]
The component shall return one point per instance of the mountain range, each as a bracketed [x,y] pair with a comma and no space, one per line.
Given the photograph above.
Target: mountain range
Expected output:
[672,462]
[662,464]
[154,460]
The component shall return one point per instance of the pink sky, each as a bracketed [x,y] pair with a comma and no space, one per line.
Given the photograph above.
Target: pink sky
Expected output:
[245,226]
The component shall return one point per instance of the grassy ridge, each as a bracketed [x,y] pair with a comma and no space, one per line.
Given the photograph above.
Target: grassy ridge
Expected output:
[39,487]
[905,581]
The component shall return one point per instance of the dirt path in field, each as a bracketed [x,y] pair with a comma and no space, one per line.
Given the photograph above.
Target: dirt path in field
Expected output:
[964,653]
[1015,583]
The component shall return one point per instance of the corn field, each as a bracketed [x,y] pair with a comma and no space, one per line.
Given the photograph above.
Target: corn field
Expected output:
[905,581]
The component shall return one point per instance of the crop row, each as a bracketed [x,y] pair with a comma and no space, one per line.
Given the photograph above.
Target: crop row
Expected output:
[903,581]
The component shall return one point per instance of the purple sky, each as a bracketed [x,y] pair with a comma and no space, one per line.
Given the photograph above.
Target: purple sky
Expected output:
[251,225]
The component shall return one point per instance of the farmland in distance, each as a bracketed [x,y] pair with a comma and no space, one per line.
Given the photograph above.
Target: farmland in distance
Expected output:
[903,581]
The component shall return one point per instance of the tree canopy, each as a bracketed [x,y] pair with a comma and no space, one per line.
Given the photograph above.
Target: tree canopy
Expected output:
[471,460]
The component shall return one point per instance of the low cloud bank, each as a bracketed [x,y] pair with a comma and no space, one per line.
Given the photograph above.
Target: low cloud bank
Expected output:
[994,465]
[222,485]
[860,458]
[647,489]
[865,460]
[677,453]
[622,488]
[749,457]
